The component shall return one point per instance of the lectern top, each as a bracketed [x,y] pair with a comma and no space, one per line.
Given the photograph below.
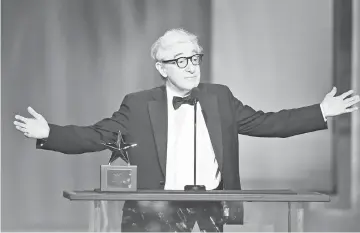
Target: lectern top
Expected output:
[211,195]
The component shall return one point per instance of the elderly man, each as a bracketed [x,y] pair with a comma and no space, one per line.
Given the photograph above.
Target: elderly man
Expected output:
[160,121]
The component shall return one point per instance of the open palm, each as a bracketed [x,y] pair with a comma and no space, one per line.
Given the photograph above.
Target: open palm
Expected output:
[36,127]
[336,105]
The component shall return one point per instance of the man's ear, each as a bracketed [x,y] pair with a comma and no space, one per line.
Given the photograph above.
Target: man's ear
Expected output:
[159,66]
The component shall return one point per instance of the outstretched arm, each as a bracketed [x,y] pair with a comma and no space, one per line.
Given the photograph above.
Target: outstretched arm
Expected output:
[290,122]
[72,139]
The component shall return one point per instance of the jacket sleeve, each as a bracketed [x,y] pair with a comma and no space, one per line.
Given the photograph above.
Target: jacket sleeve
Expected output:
[284,123]
[72,139]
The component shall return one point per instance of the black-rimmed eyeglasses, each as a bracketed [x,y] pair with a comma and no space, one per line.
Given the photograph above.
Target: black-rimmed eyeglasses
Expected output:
[182,62]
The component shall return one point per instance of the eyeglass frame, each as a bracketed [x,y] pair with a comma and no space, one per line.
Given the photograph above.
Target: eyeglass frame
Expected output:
[187,60]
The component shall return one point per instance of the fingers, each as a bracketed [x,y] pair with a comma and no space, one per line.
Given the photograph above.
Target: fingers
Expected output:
[21,129]
[17,123]
[352,109]
[346,94]
[21,118]
[24,130]
[352,100]
[332,92]
[33,113]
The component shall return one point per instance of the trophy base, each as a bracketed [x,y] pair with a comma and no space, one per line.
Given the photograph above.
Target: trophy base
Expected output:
[194,188]
[118,178]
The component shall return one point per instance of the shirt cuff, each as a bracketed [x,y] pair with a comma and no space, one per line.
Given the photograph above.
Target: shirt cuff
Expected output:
[322,111]
[40,142]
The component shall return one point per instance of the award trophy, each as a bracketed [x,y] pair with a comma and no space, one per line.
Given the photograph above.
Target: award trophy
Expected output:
[118,178]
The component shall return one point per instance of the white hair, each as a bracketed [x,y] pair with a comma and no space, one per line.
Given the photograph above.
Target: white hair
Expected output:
[171,37]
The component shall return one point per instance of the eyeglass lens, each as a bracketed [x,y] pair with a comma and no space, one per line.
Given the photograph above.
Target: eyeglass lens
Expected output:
[183,61]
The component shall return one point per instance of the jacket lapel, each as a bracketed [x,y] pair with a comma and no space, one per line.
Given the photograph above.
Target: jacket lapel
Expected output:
[209,105]
[158,116]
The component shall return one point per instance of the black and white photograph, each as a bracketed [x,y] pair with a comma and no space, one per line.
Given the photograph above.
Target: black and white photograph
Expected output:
[180,115]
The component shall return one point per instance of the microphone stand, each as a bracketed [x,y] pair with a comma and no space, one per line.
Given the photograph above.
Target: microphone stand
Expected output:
[194,187]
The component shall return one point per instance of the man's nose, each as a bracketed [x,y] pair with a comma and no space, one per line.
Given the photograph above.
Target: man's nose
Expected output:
[190,67]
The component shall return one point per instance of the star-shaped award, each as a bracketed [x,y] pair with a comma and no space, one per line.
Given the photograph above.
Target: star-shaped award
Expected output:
[119,149]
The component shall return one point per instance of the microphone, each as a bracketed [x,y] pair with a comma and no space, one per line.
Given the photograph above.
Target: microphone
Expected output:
[195,96]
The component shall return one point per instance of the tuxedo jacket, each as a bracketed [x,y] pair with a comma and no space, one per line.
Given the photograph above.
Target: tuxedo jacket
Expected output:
[142,119]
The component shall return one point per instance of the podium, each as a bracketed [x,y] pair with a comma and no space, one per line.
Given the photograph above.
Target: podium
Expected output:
[294,201]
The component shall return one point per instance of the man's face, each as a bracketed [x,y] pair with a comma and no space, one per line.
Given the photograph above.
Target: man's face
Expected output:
[182,79]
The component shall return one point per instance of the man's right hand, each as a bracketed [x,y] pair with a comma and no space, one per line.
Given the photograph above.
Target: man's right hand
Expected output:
[36,127]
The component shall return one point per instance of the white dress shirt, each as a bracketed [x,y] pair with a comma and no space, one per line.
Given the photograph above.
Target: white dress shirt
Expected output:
[180,149]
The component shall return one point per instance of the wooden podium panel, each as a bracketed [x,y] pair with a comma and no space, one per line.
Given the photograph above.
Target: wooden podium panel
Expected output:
[292,198]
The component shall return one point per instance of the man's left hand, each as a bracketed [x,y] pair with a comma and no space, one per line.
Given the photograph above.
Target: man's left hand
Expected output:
[336,105]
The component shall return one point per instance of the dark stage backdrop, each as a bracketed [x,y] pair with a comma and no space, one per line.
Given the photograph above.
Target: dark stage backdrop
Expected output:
[278,55]
[73,61]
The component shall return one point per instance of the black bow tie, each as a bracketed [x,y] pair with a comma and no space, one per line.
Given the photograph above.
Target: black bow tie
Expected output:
[178,101]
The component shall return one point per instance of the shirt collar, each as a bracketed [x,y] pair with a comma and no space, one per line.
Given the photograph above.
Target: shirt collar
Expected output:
[171,93]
